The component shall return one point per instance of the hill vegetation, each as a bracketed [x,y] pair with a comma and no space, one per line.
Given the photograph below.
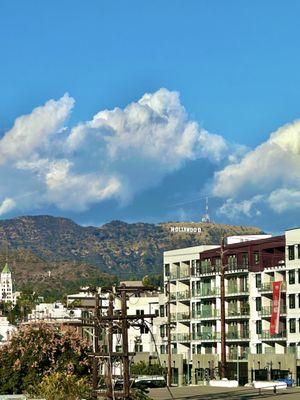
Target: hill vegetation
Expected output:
[50,252]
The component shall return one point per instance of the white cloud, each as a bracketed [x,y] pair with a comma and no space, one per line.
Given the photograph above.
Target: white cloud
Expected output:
[282,200]
[35,129]
[116,154]
[272,170]
[234,209]
[7,205]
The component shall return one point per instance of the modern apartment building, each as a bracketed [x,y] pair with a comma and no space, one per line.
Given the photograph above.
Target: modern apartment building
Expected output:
[261,344]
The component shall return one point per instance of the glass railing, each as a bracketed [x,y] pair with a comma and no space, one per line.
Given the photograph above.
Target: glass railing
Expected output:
[206,292]
[183,295]
[180,274]
[268,286]
[183,316]
[173,296]
[237,356]
[212,313]
[206,336]
[267,311]
[181,337]
[234,289]
[238,312]
[268,335]
[237,335]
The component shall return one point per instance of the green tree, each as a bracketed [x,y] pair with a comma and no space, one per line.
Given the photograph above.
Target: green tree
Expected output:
[62,386]
[37,350]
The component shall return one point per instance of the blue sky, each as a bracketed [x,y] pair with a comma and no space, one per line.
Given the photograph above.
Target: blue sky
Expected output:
[235,65]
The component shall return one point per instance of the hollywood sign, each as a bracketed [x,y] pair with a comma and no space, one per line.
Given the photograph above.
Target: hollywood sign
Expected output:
[185,229]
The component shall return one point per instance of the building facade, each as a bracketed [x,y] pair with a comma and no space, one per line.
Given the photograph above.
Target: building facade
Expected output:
[6,286]
[192,278]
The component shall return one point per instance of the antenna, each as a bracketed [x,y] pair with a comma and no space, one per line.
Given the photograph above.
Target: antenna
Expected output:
[206,217]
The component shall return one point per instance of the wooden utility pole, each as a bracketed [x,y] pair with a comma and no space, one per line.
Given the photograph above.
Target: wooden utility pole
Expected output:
[95,364]
[169,380]
[223,326]
[110,313]
[126,365]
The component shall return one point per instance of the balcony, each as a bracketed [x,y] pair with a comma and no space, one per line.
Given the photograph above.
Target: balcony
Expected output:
[183,295]
[183,316]
[236,269]
[206,292]
[206,314]
[235,290]
[266,335]
[267,311]
[234,335]
[206,336]
[181,337]
[238,313]
[268,287]
[184,274]
[173,296]
[208,270]
[235,356]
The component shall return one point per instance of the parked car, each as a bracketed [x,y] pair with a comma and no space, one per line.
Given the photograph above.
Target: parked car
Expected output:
[289,381]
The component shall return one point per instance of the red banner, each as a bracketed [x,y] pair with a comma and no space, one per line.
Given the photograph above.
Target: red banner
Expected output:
[274,325]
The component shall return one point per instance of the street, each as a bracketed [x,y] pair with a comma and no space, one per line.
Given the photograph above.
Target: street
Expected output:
[213,393]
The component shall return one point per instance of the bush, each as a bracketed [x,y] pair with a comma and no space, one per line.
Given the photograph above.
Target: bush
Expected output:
[62,386]
[37,350]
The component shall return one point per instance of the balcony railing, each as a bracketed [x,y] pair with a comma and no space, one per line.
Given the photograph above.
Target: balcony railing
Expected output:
[242,312]
[184,274]
[234,289]
[183,295]
[265,335]
[236,267]
[267,311]
[207,269]
[268,286]
[237,335]
[212,313]
[205,292]
[183,316]
[237,356]
[181,337]
[211,336]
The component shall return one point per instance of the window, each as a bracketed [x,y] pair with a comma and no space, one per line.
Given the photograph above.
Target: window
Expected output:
[259,348]
[258,280]
[291,251]
[292,323]
[162,349]
[258,303]
[138,348]
[258,327]
[256,257]
[167,269]
[292,277]
[144,329]
[292,301]
[161,311]
[245,259]
[299,272]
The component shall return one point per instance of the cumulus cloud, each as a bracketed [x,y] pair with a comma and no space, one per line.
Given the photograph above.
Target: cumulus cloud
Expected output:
[235,210]
[272,170]
[116,154]
[7,205]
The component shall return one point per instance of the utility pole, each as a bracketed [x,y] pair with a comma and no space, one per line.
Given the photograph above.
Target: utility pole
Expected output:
[110,313]
[223,326]
[96,343]
[169,380]
[126,366]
